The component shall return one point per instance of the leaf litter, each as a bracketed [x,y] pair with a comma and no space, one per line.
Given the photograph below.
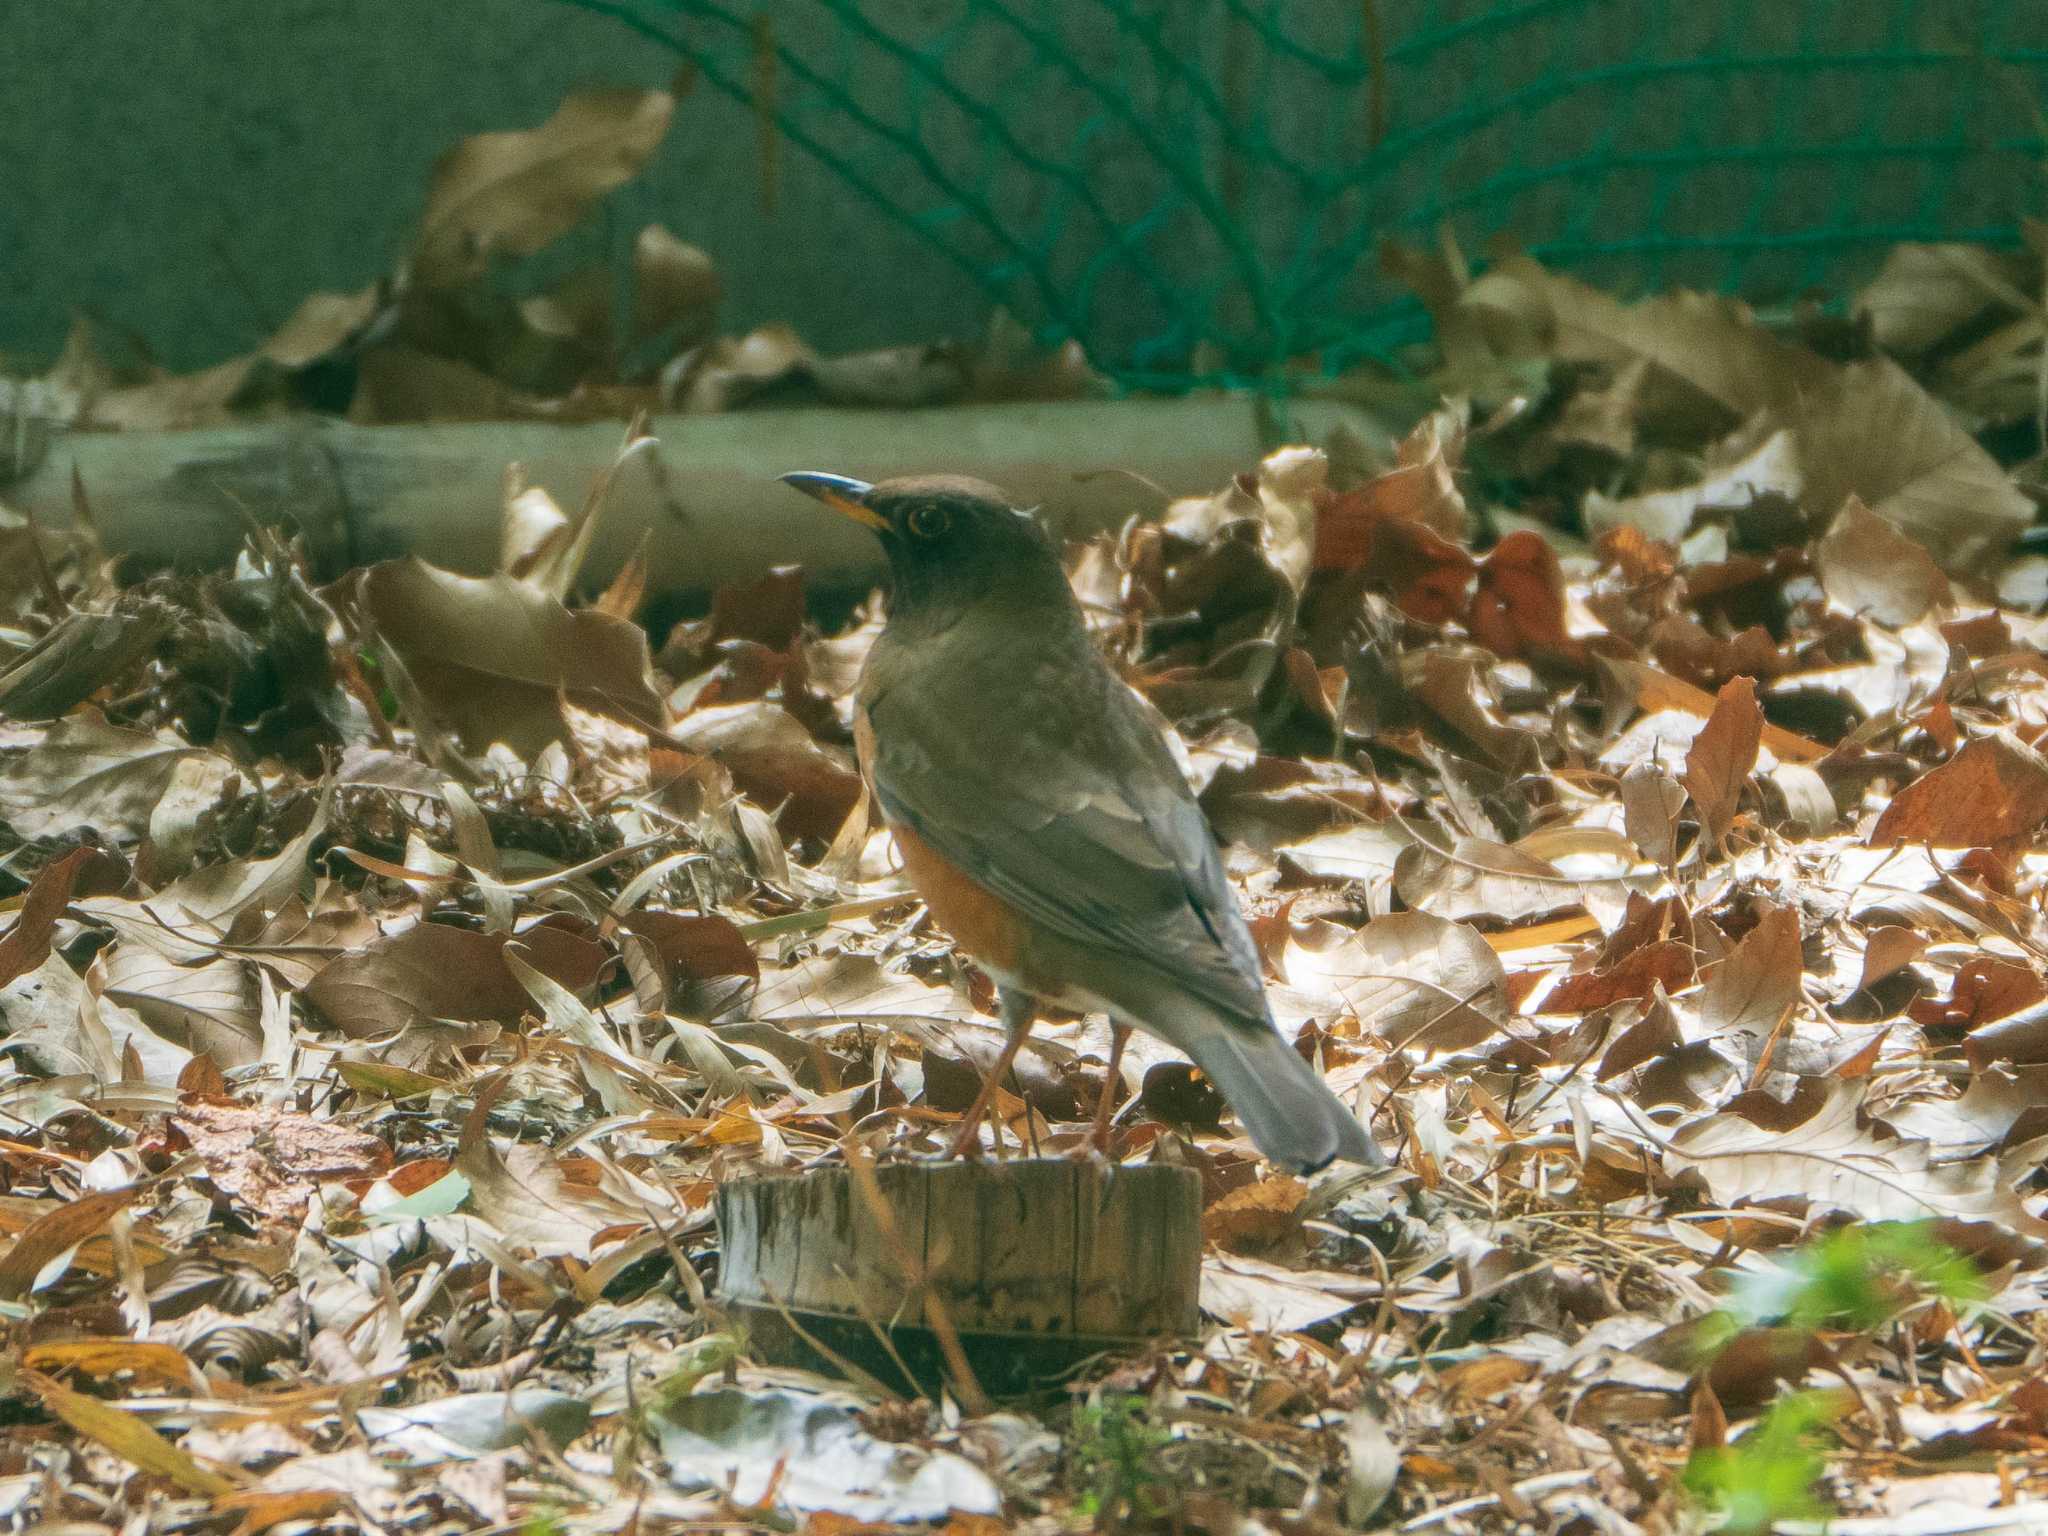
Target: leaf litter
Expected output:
[1635,783]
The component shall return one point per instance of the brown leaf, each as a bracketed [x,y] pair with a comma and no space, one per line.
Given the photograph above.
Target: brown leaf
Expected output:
[1878,435]
[523,1193]
[675,287]
[127,1436]
[776,763]
[1871,568]
[495,658]
[1887,951]
[1410,978]
[1722,757]
[1476,877]
[1668,964]
[213,1007]
[1738,472]
[1652,691]
[1428,576]
[435,971]
[1835,1162]
[1925,293]
[515,193]
[1711,344]
[271,1162]
[1654,1035]
[160,1364]
[1754,989]
[1987,988]
[1519,609]
[1256,1216]
[56,1232]
[27,944]
[87,773]
[695,948]
[85,652]
[1422,489]
[1994,789]
[1650,802]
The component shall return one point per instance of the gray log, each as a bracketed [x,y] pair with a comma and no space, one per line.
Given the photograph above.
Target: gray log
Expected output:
[708,493]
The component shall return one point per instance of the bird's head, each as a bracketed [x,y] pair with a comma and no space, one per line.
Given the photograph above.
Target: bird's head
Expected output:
[951,541]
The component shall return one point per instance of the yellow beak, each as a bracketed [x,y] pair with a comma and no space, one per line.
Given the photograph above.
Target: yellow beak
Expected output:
[848,497]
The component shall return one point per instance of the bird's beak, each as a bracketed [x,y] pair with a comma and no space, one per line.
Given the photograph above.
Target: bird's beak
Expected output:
[847,497]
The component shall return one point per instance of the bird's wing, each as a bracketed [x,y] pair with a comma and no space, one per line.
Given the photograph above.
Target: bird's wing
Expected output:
[1076,814]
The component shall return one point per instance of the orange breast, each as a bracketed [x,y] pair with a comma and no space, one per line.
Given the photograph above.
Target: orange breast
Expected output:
[981,923]
[984,925]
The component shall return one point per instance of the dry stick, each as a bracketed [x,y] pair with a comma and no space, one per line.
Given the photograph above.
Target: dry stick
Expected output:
[1770,1045]
[881,1333]
[857,1375]
[965,1383]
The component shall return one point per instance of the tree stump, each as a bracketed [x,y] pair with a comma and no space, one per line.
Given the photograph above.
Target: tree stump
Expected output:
[1037,1265]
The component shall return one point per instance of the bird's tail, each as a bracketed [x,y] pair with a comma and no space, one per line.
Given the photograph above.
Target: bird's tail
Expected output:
[1290,1112]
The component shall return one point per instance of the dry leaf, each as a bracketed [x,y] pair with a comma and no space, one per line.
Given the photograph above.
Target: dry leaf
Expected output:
[1410,978]
[1878,436]
[1757,986]
[26,944]
[58,1231]
[1835,1163]
[127,1436]
[272,1163]
[495,658]
[1723,755]
[436,971]
[1994,789]
[87,773]
[675,287]
[514,193]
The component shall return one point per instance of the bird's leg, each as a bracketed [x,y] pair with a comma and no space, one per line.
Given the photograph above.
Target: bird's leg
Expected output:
[1018,1011]
[1099,1137]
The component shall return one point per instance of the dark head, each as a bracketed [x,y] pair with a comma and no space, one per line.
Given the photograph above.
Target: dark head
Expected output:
[951,542]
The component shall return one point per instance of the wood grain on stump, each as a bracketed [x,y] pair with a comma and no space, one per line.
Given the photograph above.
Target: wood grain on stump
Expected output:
[1038,1265]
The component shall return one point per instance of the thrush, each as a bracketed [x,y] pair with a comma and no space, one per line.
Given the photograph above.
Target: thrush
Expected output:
[1044,821]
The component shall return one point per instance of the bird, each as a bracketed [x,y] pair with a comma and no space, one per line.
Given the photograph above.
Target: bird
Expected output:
[1044,821]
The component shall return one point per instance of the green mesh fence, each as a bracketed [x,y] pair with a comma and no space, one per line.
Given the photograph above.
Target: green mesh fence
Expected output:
[1198,190]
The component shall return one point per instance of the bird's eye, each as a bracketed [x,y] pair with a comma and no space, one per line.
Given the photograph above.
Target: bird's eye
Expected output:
[928,521]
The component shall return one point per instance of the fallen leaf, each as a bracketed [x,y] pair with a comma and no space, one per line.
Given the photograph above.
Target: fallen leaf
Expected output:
[127,1436]
[56,1233]
[514,193]
[437,971]
[1758,985]
[675,286]
[800,1452]
[777,763]
[1877,435]
[1869,567]
[87,773]
[1722,757]
[270,1162]
[496,659]
[26,944]
[1994,789]
[1835,1163]
[1411,978]
[1925,293]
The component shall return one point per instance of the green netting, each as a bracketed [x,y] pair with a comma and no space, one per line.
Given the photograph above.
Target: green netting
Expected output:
[1198,189]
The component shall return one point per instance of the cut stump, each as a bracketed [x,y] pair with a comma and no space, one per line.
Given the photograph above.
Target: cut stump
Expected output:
[1037,1265]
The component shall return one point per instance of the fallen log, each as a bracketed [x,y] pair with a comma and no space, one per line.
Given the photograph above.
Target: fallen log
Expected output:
[707,494]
